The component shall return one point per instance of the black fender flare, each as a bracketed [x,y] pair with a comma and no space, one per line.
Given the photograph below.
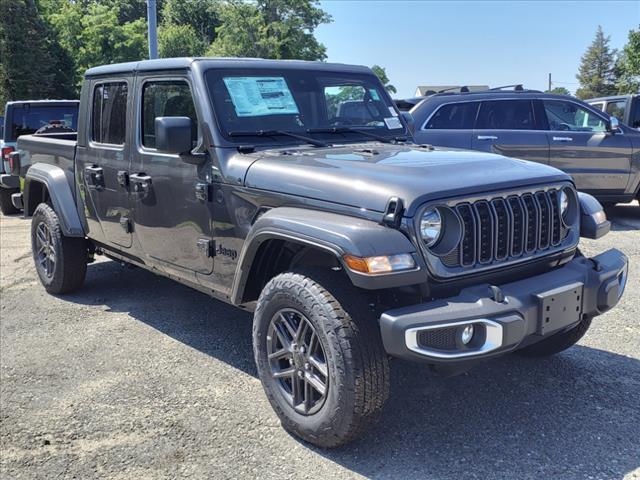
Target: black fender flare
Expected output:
[54,178]
[334,233]
[590,225]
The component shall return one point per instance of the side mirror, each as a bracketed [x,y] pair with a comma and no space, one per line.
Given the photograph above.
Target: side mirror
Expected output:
[613,125]
[408,118]
[173,134]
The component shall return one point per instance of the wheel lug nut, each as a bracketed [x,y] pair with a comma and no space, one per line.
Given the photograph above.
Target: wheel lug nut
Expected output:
[300,373]
[302,349]
[307,366]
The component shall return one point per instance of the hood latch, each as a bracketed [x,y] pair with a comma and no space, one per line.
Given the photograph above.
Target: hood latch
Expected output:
[393,212]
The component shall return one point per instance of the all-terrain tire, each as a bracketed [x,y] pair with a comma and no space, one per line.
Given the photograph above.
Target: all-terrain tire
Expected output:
[67,271]
[558,342]
[6,206]
[357,365]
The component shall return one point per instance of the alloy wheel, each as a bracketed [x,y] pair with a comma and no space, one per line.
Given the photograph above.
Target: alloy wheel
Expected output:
[297,360]
[45,251]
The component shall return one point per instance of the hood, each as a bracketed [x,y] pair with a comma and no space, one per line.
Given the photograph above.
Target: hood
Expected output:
[367,175]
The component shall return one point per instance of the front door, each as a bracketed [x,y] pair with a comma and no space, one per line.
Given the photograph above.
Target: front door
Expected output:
[599,161]
[508,127]
[103,163]
[170,197]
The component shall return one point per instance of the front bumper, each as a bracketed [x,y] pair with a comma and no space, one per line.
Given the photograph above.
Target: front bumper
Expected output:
[507,316]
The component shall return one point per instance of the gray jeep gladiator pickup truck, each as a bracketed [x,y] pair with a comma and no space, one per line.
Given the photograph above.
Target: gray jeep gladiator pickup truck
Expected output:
[291,189]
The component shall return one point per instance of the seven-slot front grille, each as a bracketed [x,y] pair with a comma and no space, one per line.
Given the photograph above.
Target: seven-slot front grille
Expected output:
[502,228]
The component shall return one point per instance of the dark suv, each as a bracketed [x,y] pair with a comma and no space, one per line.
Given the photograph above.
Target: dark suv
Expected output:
[601,155]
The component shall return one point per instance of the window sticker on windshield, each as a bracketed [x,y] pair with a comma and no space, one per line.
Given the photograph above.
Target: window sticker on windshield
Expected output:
[393,123]
[393,112]
[259,96]
[374,94]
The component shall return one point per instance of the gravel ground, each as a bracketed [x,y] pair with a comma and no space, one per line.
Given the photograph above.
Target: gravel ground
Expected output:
[139,377]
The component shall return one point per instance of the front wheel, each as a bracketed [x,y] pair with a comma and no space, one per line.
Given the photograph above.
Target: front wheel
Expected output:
[61,262]
[320,356]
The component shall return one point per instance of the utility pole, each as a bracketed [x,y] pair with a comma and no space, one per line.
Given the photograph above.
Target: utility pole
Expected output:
[153,28]
[549,82]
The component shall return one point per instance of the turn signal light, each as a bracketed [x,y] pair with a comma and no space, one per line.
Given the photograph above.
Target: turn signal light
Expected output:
[380,264]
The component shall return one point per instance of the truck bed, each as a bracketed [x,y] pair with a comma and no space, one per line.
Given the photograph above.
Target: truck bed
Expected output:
[51,149]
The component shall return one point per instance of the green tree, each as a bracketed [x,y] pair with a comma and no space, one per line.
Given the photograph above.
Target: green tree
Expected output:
[597,69]
[559,91]
[628,65]
[33,62]
[96,36]
[202,15]
[179,41]
[381,73]
[280,29]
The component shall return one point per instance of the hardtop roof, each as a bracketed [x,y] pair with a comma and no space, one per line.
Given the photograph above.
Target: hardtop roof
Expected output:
[184,63]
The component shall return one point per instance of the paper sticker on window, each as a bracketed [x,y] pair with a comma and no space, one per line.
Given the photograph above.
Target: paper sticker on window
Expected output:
[259,96]
[393,123]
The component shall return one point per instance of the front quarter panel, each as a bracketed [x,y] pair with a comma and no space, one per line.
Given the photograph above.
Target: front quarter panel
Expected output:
[334,233]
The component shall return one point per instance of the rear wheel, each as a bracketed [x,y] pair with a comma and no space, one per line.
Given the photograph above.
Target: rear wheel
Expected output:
[6,206]
[320,357]
[558,342]
[61,262]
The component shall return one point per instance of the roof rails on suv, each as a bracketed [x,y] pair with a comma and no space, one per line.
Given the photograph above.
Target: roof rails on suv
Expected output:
[464,89]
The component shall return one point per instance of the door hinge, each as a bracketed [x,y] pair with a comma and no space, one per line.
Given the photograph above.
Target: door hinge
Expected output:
[126,224]
[207,247]
[203,191]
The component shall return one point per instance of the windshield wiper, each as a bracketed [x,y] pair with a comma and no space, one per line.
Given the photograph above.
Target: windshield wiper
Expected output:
[269,133]
[366,133]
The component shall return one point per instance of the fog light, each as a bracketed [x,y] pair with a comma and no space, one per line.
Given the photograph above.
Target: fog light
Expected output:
[467,334]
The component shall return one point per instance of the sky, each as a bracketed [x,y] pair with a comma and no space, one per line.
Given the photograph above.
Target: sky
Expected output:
[473,42]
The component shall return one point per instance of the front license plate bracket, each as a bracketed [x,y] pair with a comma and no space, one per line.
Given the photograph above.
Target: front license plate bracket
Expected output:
[559,307]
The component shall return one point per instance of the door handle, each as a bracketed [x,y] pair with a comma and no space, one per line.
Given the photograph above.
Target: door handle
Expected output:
[94,175]
[562,139]
[487,137]
[141,182]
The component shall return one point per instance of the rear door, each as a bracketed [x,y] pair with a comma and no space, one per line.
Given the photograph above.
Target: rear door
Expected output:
[450,125]
[508,127]
[172,220]
[102,164]
[598,161]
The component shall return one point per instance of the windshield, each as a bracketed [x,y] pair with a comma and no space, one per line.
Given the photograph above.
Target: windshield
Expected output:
[323,105]
[28,119]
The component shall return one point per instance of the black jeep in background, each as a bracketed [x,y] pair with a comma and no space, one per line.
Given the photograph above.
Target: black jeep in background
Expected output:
[24,117]
[291,189]
[601,155]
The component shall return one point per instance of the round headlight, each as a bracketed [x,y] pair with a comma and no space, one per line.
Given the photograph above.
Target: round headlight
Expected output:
[431,226]
[564,202]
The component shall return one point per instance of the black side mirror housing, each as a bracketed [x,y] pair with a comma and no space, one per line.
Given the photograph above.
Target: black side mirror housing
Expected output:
[173,134]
